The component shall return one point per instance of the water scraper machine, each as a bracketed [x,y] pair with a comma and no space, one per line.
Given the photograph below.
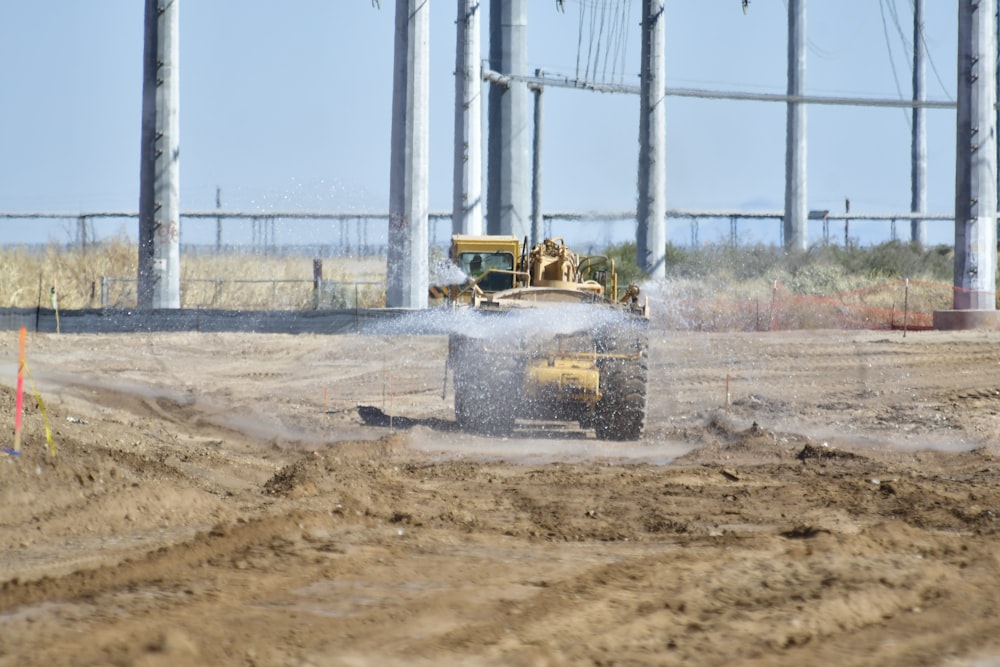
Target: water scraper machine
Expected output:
[545,335]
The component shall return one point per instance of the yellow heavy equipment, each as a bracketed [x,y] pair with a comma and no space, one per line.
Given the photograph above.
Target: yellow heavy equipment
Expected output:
[551,337]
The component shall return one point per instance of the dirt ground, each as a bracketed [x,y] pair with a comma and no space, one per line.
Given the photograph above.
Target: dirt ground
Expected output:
[799,498]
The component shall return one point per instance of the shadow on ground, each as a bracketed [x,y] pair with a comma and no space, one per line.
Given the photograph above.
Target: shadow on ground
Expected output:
[373,416]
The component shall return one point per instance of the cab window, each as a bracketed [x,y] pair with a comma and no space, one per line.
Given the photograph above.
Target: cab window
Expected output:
[488,265]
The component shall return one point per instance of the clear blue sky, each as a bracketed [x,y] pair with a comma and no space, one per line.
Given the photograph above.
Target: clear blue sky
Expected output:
[286,106]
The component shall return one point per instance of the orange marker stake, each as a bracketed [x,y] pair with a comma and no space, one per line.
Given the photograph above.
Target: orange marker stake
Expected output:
[19,400]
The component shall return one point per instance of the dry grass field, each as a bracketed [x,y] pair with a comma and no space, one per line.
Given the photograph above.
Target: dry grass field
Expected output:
[820,297]
[228,281]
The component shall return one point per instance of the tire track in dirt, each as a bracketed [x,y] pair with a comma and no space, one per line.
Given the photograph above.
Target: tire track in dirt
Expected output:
[168,563]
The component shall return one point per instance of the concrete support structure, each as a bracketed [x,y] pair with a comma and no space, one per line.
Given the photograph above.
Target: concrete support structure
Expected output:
[406,266]
[159,275]
[537,224]
[918,145]
[508,165]
[976,159]
[467,204]
[796,201]
[651,238]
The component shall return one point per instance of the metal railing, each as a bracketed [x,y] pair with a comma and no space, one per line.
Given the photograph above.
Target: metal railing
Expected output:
[363,233]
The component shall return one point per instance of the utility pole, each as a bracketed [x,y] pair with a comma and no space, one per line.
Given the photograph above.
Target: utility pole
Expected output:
[537,231]
[159,182]
[508,189]
[406,264]
[976,159]
[467,192]
[918,146]
[796,201]
[651,239]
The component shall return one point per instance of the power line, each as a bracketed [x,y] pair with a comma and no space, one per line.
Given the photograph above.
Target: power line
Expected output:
[894,15]
[892,61]
[613,45]
[930,58]
[600,36]
[579,41]
[622,49]
[605,22]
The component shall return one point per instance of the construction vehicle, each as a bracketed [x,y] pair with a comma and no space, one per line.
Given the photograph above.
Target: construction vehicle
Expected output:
[550,337]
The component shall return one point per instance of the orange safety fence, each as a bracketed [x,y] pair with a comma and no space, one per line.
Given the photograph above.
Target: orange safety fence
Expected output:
[892,305]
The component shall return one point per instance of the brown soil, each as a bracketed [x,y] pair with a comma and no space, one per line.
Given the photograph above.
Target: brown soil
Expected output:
[218,500]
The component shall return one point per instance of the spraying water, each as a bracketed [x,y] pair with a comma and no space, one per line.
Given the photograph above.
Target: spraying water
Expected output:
[445,272]
[551,321]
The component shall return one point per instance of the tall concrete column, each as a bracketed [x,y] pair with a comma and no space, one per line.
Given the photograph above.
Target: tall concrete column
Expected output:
[467,203]
[406,270]
[918,144]
[159,275]
[508,203]
[976,159]
[796,202]
[651,238]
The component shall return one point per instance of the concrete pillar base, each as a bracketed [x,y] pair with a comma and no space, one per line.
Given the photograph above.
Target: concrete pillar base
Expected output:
[951,320]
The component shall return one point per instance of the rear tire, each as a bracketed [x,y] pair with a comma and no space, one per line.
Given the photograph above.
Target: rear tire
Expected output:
[486,387]
[621,412]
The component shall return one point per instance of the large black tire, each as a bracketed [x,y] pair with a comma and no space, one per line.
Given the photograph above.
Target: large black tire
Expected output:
[621,412]
[486,387]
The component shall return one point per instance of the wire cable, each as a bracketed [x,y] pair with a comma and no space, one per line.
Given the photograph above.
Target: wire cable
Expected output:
[590,48]
[899,29]
[930,59]
[892,61]
[613,45]
[600,36]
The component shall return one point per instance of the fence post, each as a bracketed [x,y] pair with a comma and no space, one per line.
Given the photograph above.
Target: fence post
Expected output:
[317,282]
[906,303]
[774,296]
[357,311]
[104,292]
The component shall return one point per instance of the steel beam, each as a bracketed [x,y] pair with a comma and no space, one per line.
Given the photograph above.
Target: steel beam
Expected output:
[552,81]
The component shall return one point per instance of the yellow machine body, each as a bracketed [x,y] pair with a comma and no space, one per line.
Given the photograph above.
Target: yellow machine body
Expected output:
[576,380]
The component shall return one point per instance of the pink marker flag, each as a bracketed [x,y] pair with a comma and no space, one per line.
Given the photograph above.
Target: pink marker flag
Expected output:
[19,400]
